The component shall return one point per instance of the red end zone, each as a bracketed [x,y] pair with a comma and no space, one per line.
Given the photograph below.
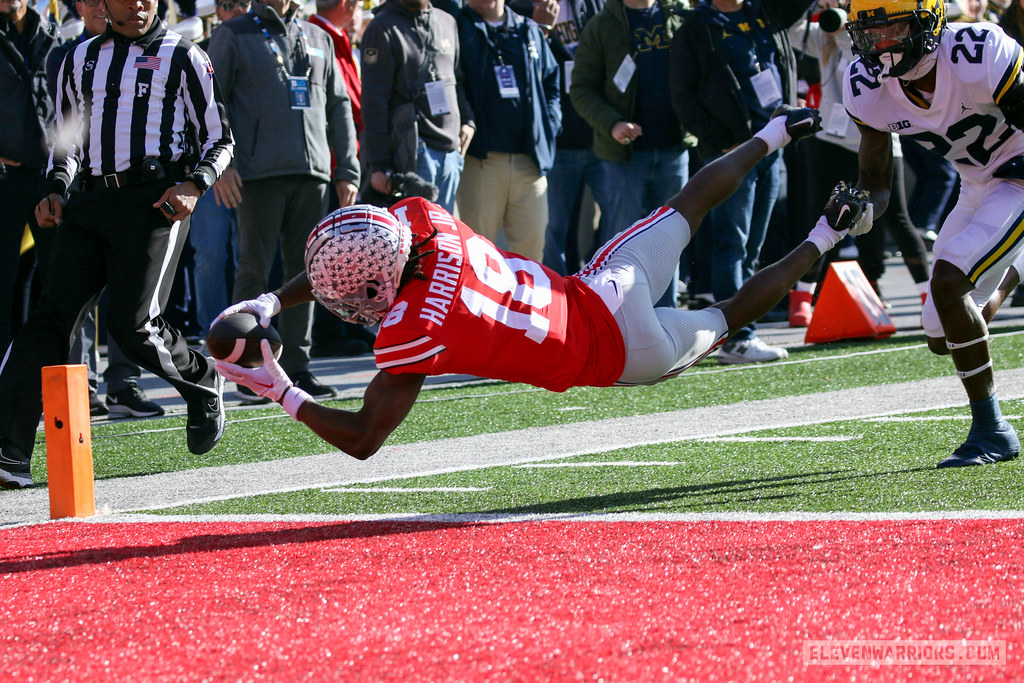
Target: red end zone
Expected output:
[523,601]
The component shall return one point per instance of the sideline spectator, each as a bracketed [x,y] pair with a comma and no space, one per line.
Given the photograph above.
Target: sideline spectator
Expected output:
[576,167]
[335,17]
[214,224]
[26,117]
[620,86]
[289,111]
[512,84]
[732,65]
[125,226]
[415,110]
[339,18]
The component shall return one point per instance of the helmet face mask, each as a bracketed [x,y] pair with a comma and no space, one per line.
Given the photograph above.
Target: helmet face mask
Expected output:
[354,260]
[896,34]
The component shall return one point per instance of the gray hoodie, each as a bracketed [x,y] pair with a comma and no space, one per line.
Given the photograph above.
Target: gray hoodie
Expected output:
[271,138]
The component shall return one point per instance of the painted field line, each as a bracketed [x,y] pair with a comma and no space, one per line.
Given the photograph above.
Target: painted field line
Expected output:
[537,444]
[929,418]
[400,489]
[607,463]
[844,356]
[777,439]
[483,518]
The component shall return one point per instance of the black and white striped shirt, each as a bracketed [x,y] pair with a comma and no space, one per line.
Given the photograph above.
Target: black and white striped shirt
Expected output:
[122,100]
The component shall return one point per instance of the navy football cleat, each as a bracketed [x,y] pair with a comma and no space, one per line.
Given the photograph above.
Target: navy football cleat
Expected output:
[985,448]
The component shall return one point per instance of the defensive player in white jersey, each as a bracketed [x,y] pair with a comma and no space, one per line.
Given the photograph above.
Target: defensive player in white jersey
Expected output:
[958,89]
[448,300]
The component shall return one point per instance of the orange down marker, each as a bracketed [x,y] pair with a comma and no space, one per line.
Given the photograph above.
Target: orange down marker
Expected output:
[68,441]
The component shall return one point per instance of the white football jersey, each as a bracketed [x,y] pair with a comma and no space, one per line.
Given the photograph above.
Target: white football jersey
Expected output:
[976,64]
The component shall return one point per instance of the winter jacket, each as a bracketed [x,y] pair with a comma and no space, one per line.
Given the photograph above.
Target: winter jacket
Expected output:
[541,87]
[706,92]
[576,132]
[605,43]
[26,106]
[395,71]
[271,138]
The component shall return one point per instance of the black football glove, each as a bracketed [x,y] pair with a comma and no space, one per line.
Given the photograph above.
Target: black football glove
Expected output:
[800,123]
[849,209]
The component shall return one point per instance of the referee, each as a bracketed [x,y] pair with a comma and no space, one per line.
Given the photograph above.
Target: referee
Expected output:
[142,133]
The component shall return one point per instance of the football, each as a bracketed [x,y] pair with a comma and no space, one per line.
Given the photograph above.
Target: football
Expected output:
[236,339]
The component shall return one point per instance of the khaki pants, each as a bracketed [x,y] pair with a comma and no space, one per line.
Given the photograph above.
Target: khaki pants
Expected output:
[506,190]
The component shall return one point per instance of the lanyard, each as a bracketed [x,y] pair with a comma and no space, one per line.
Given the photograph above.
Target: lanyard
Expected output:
[493,34]
[277,53]
[429,47]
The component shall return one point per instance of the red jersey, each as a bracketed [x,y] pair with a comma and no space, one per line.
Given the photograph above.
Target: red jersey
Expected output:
[490,313]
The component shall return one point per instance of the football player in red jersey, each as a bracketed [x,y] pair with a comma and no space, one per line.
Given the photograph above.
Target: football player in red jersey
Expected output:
[449,301]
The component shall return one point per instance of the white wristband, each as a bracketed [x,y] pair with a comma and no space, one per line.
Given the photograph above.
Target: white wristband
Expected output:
[293,400]
[823,236]
[775,134]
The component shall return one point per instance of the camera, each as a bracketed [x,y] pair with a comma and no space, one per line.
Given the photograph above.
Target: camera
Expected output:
[832,19]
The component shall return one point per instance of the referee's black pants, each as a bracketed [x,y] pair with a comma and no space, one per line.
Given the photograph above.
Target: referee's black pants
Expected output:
[110,238]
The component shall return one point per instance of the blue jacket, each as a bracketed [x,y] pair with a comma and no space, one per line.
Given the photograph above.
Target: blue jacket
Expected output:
[541,88]
[706,93]
[576,132]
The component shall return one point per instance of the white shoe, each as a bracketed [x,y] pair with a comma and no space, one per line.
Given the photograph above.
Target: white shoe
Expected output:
[750,351]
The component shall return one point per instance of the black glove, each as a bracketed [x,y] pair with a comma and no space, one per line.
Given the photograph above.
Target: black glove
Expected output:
[845,207]
[800,123]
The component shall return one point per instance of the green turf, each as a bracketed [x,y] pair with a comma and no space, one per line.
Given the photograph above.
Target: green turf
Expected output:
[883,467]
[150,446]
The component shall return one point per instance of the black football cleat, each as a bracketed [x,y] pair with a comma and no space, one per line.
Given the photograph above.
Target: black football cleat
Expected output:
[205,423]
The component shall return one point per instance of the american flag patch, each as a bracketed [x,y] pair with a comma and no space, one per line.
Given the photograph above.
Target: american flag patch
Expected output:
[147,63]
[209,68]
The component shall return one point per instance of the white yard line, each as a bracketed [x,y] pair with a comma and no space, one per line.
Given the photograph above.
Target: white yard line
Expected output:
[777,439]
[407,489]
[538,444]
[603,463]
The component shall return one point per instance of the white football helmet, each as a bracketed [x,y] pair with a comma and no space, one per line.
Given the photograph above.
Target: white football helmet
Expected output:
[354,260]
